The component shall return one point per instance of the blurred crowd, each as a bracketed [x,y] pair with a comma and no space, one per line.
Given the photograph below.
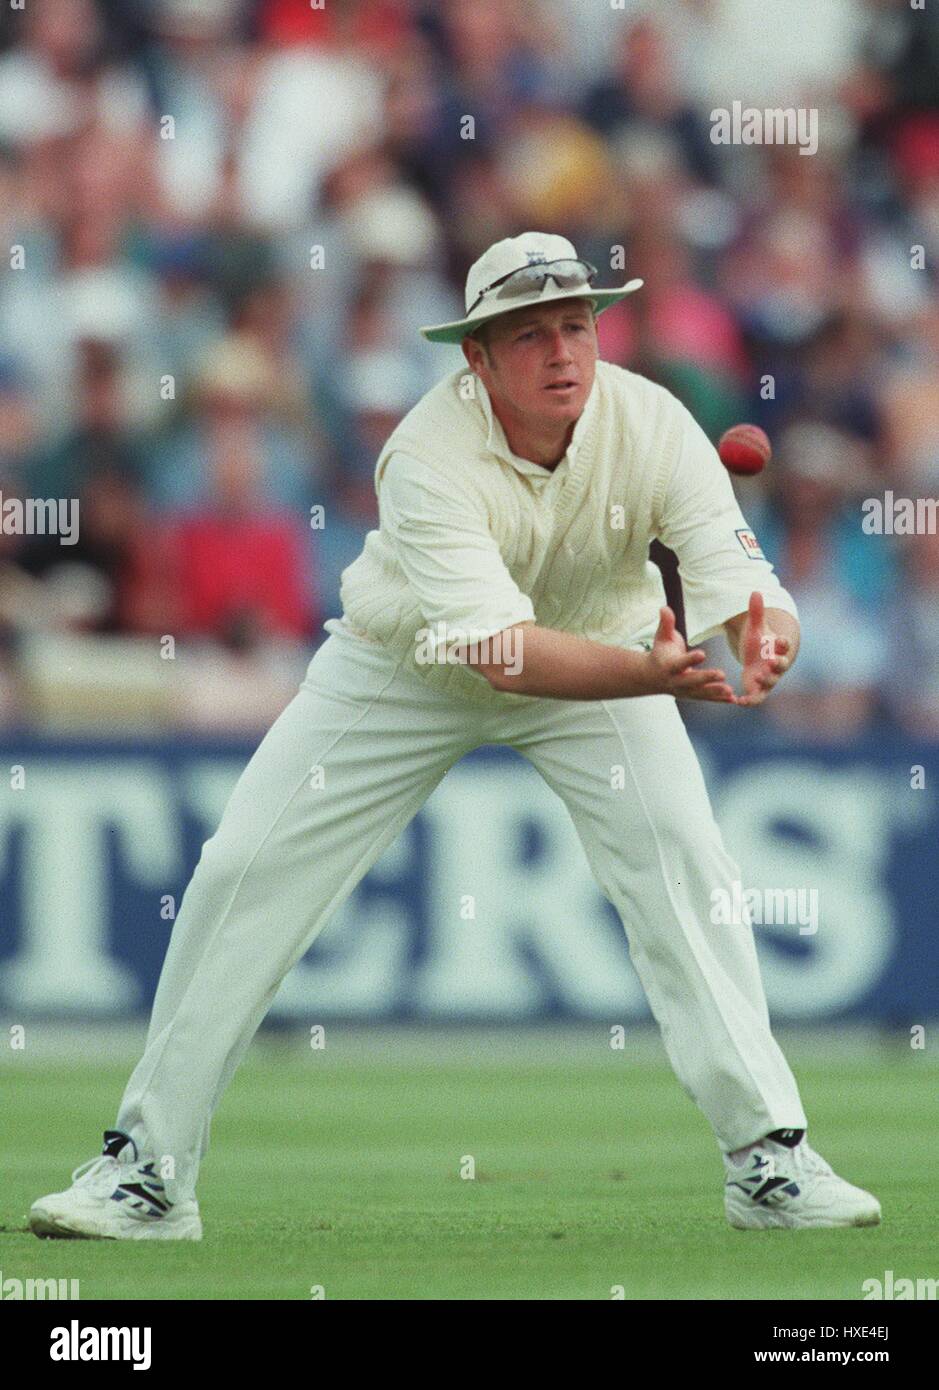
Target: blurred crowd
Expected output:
[226,220]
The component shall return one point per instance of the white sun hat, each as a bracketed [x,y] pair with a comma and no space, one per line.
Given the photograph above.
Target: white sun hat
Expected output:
[534,268]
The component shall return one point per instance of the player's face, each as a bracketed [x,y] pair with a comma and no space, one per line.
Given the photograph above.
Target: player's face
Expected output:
[541,360]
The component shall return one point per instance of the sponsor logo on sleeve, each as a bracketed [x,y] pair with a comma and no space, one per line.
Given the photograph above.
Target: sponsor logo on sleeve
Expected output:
[750,544]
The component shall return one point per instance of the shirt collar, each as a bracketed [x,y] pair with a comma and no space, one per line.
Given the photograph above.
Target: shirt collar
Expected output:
[497,443]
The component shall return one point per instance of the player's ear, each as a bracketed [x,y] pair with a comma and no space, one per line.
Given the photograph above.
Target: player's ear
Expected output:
[475,350]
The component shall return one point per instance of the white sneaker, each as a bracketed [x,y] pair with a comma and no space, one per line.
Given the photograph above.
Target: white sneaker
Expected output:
[115,1197]
[779,1186]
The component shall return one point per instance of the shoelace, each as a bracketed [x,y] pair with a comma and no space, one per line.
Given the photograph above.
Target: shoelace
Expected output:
[97,1174]
[804,1160]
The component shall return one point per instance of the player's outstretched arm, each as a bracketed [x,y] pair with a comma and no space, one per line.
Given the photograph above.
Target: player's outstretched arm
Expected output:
[561,666]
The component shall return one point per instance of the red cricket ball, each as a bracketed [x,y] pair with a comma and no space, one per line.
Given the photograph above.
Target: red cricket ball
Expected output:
[744,449]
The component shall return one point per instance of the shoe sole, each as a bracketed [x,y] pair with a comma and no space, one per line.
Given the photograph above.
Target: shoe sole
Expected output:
[755,1219]
[48,1227]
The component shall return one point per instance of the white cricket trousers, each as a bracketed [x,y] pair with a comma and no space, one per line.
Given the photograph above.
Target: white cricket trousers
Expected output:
[289,851]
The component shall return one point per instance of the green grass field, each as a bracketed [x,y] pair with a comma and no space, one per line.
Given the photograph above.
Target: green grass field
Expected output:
[341,1168]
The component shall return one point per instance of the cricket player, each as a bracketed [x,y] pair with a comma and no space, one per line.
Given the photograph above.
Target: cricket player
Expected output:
[507,597]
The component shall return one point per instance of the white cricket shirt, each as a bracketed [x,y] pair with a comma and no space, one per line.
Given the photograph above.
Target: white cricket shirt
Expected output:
[475,538]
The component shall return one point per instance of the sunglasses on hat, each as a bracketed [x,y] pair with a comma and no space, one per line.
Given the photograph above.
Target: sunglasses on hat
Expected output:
[565,273]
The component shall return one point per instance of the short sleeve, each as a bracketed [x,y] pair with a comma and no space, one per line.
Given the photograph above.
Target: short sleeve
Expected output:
[440,535]
[719,557]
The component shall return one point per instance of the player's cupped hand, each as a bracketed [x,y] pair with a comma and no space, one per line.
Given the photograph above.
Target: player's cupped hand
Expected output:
[764,656]
[677,671]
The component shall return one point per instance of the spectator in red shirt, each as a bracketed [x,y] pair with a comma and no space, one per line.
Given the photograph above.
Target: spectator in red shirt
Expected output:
[242,566]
